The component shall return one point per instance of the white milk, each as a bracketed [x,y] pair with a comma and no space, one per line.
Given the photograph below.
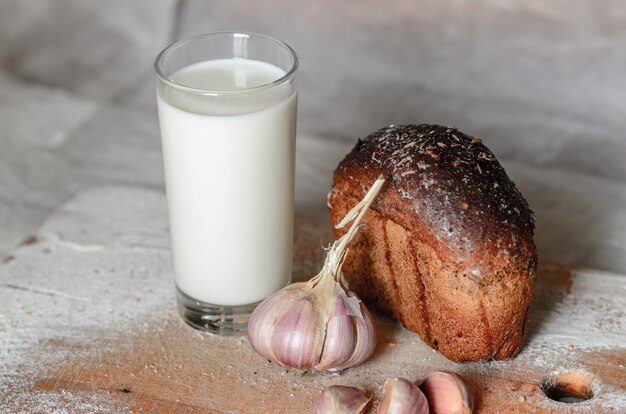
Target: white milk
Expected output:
[229,169]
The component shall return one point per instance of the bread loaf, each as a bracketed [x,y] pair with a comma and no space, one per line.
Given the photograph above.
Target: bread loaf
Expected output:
[447,247]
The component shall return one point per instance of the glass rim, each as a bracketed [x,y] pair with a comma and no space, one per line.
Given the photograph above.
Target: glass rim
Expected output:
[172,83]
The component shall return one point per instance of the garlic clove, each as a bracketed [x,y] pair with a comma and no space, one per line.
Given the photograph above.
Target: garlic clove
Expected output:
[340,399]
[447,393]
[264,318]
[341,338]
[401,396]
[297,339]
[366,337]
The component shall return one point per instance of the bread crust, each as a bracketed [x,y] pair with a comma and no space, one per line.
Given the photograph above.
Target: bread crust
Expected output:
[447,247]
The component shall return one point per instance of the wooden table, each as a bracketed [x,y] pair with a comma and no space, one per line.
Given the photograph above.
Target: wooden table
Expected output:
[88,324]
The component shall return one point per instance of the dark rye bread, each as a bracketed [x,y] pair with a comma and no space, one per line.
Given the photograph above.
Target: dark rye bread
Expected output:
[447,247]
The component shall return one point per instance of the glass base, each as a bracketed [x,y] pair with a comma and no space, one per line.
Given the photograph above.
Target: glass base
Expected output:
[214,319]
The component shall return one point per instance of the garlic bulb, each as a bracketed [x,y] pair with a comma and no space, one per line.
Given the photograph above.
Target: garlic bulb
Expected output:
[447,393]
[318,324]
[340,399]
[401,396]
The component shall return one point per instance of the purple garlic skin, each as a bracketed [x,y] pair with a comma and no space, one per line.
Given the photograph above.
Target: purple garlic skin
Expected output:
[350,340]
[340,399]
[447,393]
[317,328]
[401,396]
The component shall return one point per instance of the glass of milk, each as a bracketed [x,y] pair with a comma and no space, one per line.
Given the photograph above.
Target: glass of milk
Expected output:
[227,112]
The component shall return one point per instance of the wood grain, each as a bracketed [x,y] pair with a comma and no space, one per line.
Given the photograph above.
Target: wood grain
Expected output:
[130,360]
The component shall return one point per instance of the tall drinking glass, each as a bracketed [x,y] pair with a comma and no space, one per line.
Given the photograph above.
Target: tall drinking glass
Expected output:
[227,112]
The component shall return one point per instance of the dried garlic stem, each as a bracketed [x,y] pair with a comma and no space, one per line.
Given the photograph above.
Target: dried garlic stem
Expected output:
[337,252]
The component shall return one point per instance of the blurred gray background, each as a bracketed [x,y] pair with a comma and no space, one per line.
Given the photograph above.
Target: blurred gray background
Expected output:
[543,83]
